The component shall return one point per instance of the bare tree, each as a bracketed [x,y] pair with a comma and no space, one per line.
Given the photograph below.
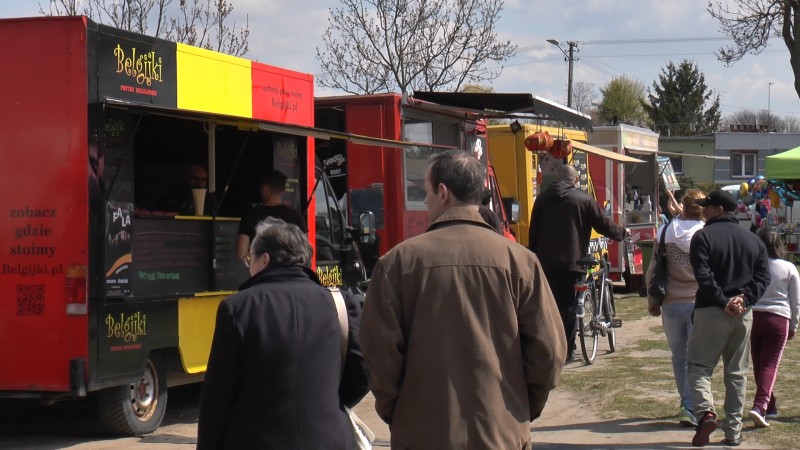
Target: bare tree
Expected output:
[758,118]
[751,23]
[584,95]
[61,8]
[387,45]
[202,23]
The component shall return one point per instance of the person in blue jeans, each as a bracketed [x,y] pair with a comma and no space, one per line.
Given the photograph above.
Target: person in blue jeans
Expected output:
[677,307]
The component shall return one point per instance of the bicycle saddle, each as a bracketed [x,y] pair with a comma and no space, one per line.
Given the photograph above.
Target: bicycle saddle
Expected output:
[588,261]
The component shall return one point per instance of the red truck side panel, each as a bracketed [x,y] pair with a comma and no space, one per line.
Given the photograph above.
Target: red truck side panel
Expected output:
[43,200]
[379,166]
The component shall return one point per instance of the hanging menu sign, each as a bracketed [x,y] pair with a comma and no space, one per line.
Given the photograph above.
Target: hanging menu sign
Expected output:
[667,174]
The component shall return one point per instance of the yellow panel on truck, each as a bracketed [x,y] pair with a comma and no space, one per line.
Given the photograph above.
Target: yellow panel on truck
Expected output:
[517,168]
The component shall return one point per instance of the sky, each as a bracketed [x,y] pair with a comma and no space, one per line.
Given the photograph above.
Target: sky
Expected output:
[635,38]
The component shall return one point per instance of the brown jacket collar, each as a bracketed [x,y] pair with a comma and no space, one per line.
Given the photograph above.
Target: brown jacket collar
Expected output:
[460,214]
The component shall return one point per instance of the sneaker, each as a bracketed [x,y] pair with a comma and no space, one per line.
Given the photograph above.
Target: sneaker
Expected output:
[758,418]
[686,418]
[732,442]
[771,413]
[705,427]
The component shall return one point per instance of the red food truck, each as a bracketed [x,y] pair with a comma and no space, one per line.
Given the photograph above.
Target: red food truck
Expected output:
[103,289]
[389,180]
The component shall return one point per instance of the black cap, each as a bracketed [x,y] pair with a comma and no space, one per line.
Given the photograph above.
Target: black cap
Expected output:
[718,197]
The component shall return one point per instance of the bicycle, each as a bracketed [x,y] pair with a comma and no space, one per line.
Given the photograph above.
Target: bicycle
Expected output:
[595,298]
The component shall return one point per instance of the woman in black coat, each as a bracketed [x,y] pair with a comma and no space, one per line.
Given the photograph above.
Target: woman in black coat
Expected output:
[274,378]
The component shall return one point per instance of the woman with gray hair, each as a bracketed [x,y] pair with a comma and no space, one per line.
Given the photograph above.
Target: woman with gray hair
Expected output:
[275,377]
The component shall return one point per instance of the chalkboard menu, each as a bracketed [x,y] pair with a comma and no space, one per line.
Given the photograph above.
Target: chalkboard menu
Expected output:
[115,158]
[170,256]
[229,271]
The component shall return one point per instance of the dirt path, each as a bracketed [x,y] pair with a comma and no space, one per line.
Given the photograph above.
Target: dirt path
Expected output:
[568,421]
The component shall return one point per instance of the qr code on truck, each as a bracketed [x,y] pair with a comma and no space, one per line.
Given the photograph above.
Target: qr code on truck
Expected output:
[30,299]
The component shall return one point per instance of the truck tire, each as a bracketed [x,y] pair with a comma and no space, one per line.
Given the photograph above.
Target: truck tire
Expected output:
[137,408]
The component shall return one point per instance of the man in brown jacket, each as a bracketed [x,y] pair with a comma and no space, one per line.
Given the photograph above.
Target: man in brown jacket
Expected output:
[460,331]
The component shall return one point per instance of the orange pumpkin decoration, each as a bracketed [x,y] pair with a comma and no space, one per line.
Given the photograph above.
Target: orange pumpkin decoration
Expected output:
[540,141]
[561,148]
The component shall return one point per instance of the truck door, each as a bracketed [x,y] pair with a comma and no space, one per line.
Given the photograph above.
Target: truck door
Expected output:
[338,260]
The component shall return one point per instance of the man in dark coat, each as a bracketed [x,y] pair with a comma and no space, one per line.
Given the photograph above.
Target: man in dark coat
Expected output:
[732,271]
[561,224]
[275,378]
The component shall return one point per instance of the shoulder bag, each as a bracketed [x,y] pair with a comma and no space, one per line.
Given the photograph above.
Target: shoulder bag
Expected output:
[657,288]
[362,435]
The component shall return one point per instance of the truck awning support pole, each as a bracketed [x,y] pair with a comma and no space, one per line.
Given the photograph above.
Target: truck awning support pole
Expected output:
[212,164]
[235,167]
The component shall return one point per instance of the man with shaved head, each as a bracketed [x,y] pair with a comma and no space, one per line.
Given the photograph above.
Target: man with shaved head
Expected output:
[561,225]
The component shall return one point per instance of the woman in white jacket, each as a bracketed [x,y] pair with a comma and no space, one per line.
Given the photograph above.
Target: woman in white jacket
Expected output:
[678,305]
[775,318]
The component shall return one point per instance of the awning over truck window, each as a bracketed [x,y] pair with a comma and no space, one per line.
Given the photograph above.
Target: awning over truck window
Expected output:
[648,151]
[503,105]
[277,127]
[321,133]
[608,154]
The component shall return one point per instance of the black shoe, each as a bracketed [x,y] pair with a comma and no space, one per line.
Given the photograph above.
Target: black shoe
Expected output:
[735,442]
[570,357]
[705,427]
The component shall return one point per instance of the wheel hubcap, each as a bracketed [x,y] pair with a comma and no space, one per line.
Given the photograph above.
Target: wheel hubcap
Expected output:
[143,394]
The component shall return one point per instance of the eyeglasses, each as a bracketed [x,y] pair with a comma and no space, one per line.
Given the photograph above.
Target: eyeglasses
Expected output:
[248,258]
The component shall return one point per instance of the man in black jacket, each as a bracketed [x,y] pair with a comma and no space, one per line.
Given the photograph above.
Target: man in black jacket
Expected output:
[561,225]
[732,272]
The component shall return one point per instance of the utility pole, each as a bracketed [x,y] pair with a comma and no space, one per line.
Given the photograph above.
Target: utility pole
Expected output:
[769,114]
[569,56]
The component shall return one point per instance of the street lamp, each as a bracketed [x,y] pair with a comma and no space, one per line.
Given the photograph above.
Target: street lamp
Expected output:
[569,55]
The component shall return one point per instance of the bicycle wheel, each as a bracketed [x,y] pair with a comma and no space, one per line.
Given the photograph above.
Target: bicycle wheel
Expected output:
[608,316]
[588,334]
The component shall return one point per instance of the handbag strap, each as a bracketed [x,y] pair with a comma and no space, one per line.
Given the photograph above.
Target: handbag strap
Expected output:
[662,249]
[341,312]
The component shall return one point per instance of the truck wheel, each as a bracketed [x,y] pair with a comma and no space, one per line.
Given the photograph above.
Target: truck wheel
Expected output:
[137,408]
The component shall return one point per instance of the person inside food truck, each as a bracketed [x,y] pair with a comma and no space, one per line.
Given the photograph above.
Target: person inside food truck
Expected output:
[272,188]
[180,198]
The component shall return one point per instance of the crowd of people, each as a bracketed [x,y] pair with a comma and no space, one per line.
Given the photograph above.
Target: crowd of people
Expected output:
[729,296]
[466,333]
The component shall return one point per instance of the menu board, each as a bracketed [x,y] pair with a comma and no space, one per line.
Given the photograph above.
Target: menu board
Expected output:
[580,164]
[286,160]
[170,256]
[667,173]
[229,271]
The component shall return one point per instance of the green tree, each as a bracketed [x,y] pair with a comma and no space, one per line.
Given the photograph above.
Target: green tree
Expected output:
[622,102]
[751,23]
[202,23]
[680,103]
[388,45]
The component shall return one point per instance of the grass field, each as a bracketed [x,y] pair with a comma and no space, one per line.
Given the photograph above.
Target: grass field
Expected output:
[637,382]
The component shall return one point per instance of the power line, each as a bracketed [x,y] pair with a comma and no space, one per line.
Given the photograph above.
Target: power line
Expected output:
[633,41]
[656,40]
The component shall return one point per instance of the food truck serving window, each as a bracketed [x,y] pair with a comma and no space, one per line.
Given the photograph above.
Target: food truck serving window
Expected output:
[438,132]
[157,177]
[416,161]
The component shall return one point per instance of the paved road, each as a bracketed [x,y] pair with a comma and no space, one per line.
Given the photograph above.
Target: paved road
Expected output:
[27,425]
